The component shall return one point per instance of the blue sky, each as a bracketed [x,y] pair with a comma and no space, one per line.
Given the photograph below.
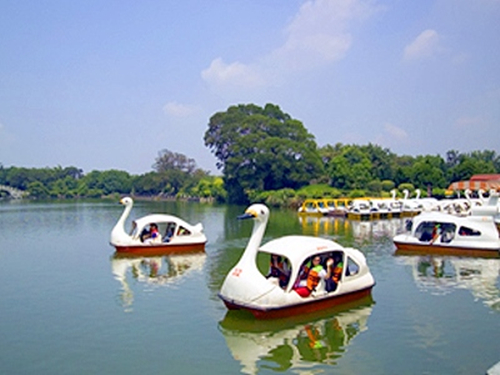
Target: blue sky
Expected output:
[109,84]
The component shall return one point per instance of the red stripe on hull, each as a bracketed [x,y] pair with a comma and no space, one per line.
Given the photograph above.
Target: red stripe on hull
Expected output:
[304,308]
[163,249]
[408,249]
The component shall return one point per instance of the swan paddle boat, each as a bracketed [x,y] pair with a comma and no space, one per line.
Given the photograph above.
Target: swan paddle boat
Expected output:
[443,233]
[172,234]
[267,297]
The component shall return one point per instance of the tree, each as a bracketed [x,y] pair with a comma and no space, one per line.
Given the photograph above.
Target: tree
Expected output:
[168,160]
[428,171]
[350,169]
[261,149]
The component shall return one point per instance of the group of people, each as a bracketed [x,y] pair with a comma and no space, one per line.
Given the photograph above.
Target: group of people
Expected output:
[310,275]
[151,235]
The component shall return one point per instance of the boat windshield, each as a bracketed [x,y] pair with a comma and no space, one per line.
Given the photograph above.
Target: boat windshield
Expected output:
[429,230]
[275,267]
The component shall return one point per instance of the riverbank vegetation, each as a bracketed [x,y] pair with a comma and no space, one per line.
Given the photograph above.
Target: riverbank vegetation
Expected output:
[263,155]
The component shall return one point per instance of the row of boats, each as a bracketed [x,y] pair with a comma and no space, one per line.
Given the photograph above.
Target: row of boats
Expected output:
[367,208]
[302,268]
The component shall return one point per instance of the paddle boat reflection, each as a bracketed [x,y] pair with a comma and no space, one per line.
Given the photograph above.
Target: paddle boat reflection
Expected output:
[368,230]
[294,345]
[307,274]
[166,270]
[156,234]
[360,230]
[442,275]
[323,225]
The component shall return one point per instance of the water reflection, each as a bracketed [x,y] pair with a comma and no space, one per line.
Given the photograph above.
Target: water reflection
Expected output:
[360,230]
[294,343]
[163,270]
[441,275]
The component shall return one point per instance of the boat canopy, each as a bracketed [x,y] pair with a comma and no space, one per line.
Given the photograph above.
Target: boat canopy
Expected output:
[298,248]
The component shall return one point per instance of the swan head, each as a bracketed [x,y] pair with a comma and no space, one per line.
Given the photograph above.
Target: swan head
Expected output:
[258,212]
[127,201]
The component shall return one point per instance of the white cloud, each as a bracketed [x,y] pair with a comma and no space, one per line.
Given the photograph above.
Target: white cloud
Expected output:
[179,110]
[392,137]
[319,34]
[235,73]
[395,132]
[425,45]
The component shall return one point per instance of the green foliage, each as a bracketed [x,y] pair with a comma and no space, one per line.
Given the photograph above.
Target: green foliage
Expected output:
[318,191]
[375,186]
[276,198]
[406,186]
[387,185]
[357,193]
[210,188]
[38,190]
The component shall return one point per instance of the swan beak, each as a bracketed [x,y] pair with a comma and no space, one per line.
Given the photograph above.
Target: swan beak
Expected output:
[248,215]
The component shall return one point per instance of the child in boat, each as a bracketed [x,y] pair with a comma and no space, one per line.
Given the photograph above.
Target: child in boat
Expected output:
[154,235]
[334,272]
[279,268]
[315,274]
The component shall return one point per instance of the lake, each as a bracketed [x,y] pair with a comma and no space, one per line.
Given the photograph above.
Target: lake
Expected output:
[69,305]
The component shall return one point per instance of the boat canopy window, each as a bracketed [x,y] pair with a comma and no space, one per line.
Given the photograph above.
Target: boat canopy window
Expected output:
[465,231]
[427,230]
[301,280]
[133,229]
[169,231]
[183,231]
[274,267]
[352,267]
[408,224]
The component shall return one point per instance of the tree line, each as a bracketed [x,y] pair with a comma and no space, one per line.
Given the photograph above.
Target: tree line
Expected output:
[264,155]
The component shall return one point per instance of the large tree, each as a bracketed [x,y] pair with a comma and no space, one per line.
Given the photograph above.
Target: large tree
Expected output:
[261,149]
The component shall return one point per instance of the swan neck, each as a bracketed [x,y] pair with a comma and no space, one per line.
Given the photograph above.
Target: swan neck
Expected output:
[250,253]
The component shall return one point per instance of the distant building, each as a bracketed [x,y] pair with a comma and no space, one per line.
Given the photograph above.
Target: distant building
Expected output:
[484,182]
[485,177]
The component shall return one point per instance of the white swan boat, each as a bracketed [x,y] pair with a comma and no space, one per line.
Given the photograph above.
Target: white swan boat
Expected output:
[174,234]
[476,234]
[246,287]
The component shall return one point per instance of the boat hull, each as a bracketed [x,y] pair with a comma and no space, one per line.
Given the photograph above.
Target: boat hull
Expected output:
[301,308]
[159,249]
[403,248]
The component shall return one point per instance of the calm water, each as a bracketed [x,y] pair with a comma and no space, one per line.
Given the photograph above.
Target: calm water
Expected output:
[70,306]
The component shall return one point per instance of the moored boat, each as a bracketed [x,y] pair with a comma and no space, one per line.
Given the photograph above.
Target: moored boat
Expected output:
[445,233]
[169,234]
[247,288]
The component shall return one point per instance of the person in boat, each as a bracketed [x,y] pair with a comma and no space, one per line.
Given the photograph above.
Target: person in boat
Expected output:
[154,236]
[315,274]
[334,272]
[436,231]
[169,232]
[182,231]
[279,268]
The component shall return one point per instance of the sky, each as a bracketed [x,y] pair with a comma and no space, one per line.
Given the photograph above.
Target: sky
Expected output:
[109,84]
